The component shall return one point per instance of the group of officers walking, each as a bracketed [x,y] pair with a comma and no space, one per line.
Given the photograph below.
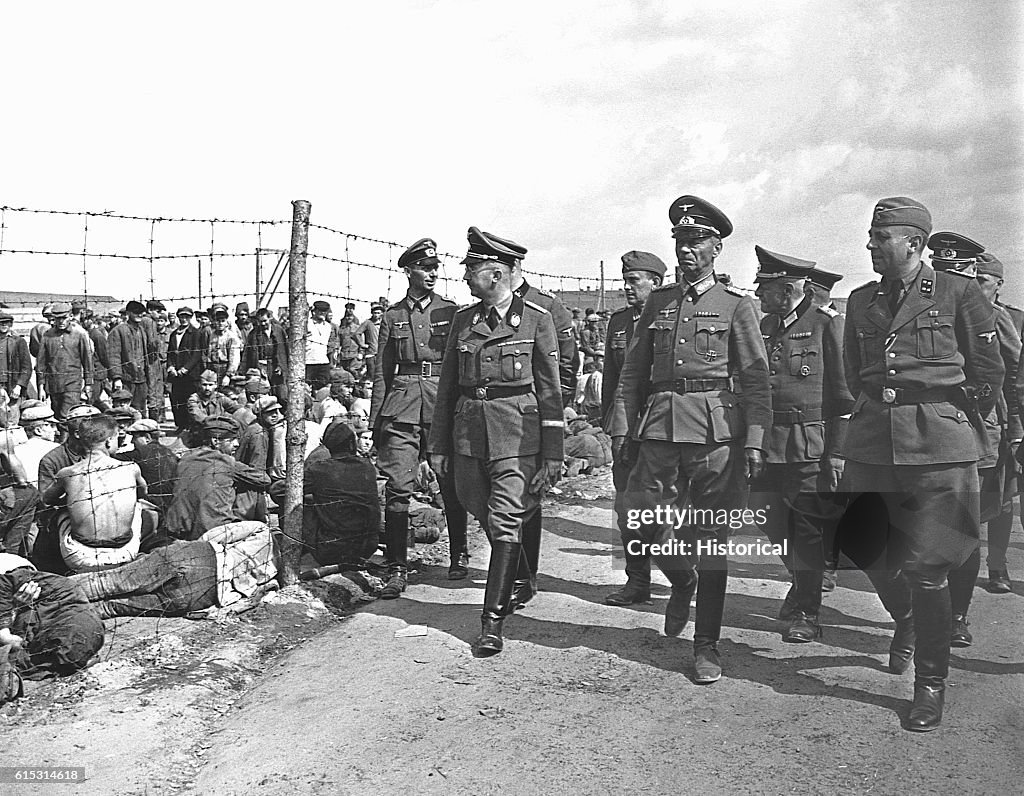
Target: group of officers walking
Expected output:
[885,437]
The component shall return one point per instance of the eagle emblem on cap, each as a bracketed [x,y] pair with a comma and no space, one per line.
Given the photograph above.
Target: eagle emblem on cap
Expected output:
[684,208]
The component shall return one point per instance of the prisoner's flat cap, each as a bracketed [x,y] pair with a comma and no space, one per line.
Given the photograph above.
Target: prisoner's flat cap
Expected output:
[778,266]
[47,308]
[350,305]
[241,306]
[135,306]
[692,216]
[989,264]
[593,318]
[121,395]
[256,387]
[953,250]
[60,310]
[122,414]
[220,426]
[485,247]
[6,317]
[81,411]
[156,305]
[321,306]
[144,426]
[238,379]
[77,304]
[219,309]
[642,261]
[201,313]
[266,403]
[422,254]
[184,311]
[823,279]
[901,211]
[36,413]
[337,436]
[376,306]
[341,376]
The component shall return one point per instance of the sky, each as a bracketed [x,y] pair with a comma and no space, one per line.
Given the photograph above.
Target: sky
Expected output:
[568,126]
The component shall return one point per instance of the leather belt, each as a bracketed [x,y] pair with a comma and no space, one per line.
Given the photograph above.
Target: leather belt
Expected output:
[789,417]
[488,393]
[425,369]
[898,395]
[683,386]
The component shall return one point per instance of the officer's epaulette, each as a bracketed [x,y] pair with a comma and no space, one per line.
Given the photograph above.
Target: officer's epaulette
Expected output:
[736,291]
[868,286]
[464,307]
[830,312]
[542,291]
[1008,306]
[529,303]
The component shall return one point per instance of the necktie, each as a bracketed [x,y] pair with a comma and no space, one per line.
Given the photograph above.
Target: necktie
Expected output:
[492,319]
[895,296]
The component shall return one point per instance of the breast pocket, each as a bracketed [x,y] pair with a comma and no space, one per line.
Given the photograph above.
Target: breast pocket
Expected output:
[935,337]
[469,363]
[711,339]
[404,344]
[515,363]
[869,341]
[804,362]
[663,332]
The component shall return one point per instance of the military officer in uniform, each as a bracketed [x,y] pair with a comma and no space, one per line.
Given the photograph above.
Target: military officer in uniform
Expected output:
[698,438]
[498,417]
[642,272]
[412,340]
[803,446]
[568,367]
[922,361]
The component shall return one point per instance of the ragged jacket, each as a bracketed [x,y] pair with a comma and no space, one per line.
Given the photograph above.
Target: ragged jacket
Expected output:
[941,342]
[708,332]
[521,352]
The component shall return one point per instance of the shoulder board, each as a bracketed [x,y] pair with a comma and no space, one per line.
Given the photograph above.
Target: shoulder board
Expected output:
[952,271]
[537,307]
[736,291]
[542,291]
[829,312]
[464,307]
[445,299]
[868,286]
[1008,306]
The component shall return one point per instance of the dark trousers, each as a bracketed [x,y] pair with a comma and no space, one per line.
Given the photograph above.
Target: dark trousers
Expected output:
[181,388]
[638,564]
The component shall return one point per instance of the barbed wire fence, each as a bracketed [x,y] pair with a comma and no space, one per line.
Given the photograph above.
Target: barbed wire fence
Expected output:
[107,257]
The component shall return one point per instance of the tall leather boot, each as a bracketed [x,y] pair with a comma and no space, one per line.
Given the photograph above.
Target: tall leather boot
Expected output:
[457,520]
[525,587]
[712,579]
[396,538]
[501,574]
[961,590]
[893,591]
[932,615]
[804,626]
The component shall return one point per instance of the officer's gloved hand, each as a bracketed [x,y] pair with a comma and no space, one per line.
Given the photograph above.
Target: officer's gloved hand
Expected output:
[628,453]
[549,474]
[755,463]
[439,464]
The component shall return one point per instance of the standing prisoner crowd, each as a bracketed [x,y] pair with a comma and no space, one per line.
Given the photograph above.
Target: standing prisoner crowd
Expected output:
[881,440]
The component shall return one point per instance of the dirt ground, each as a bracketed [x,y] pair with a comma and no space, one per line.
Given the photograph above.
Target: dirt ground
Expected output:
[586,698]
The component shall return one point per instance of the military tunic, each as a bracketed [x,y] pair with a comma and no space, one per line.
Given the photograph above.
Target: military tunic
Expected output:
[910,431]
[692,345]
[809,396]
[499,412]
[410,347]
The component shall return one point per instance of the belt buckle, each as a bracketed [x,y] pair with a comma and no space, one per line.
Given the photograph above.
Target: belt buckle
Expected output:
[888,395]
[481,393]
[426,370]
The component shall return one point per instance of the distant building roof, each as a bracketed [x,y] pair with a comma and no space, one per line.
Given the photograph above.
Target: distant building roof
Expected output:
[13,299]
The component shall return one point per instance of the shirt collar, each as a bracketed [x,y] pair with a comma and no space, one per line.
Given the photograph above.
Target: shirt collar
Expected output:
[502,306]
[418,305]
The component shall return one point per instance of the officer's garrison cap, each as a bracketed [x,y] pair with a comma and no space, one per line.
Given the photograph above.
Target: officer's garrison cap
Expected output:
[989,264]
[901,211]
[643,261]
